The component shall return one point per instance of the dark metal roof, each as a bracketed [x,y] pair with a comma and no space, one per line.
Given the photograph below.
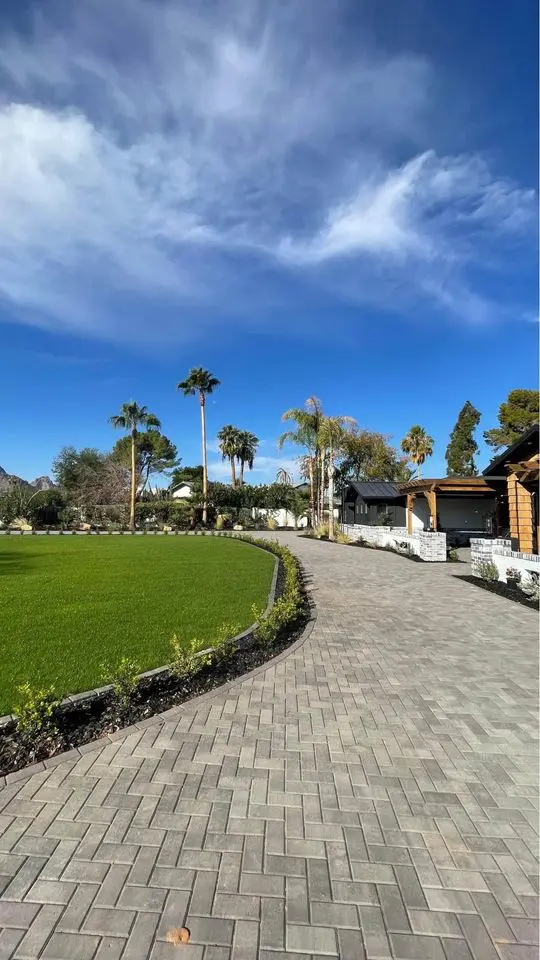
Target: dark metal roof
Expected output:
[526,445]
[375,489]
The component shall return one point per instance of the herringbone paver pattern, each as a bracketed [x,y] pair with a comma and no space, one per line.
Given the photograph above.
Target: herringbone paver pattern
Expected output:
[372,795]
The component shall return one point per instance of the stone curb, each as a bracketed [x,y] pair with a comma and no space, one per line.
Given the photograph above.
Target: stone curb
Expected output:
[160,718]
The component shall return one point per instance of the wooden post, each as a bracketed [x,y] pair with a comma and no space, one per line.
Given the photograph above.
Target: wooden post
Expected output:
[521,515]
[431,498]
[411,497]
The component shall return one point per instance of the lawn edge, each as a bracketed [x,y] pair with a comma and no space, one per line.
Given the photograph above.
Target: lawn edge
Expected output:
[159,719]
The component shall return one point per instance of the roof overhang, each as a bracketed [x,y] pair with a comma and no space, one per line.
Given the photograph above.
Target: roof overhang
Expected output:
[477,486]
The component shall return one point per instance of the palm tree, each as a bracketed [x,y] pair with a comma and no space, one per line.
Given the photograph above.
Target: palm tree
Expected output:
[333,433]
[418,445]
[306,435]
[130,417]
[229,445]
[247,448]
[283,477]
[200,382]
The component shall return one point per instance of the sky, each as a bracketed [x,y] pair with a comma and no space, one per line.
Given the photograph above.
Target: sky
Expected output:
[306,198]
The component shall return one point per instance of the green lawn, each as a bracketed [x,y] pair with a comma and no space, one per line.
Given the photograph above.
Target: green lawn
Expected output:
[68,604]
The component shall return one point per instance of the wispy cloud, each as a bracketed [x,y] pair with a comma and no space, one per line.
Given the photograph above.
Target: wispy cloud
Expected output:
[189,157]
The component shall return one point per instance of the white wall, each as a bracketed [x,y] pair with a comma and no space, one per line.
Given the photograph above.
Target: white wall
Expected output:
[501,554]
[182,493]
[430,547]
[420,517]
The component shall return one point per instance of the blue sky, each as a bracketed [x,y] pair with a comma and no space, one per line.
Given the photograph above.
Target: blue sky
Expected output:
[341,206]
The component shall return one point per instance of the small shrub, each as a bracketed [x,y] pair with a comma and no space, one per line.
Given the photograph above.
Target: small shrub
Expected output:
[272,523]
[225,643]
[487,570]
[385,518]
[35,710]
[124,679]
[452,555]
[321,531]
[342,537]
[531,586]
[188,660]
[513,576]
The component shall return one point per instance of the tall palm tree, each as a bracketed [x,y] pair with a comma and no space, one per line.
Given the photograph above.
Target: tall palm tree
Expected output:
[333,433]
[200,383]
[247,448]
[306,435]
[229,444]
[283,477]
[130,417]
[418,445]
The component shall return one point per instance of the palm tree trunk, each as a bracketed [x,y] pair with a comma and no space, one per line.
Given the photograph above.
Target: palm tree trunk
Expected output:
[205,467]
[312,493]
[241,477]
[331,494]
[321,486]
[419,471]
[233,472]
[133,482]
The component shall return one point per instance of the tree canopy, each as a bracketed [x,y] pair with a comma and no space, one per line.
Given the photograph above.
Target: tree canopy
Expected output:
[154,453]
[369,456]
[516,414]
[418,445]
[462,447]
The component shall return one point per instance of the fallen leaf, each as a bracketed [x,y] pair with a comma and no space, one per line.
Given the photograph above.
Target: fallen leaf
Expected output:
[178,936]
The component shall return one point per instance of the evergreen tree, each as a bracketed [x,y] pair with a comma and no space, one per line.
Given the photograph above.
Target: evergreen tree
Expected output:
[516,415]
[462,446]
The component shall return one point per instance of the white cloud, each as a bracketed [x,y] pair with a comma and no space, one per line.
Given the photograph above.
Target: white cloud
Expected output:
[173,157]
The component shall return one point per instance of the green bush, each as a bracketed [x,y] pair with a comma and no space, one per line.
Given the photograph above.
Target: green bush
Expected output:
[124,679]
[35,710]
[487,570]
[187,660]
[531,586]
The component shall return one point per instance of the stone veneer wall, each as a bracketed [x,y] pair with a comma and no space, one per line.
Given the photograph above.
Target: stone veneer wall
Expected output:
[430,547]
[501,554]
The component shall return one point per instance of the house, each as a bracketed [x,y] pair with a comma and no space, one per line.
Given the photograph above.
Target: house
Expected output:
[373,502]
[461,507]
[514,475]
[182,490]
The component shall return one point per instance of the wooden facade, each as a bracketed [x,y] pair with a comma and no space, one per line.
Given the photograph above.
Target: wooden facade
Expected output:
[516,471]
[446,487]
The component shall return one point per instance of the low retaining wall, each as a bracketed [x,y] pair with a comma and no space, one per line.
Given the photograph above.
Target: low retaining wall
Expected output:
[501,554]
[430,547]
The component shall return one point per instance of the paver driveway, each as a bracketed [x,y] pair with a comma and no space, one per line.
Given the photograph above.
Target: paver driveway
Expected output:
[373,794]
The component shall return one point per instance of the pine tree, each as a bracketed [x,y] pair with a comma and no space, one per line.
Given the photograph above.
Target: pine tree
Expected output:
[518,412]
[462,446]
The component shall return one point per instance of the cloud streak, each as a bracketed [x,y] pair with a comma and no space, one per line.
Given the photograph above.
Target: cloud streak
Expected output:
[156,155]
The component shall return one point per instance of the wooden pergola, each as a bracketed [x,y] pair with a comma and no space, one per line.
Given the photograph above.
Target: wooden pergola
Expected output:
[521,477]
[429,488]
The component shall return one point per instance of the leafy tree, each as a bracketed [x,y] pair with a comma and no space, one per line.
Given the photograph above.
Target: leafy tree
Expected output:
[89,478]
[247,448]
[200,383]
[70,465]
[462,446]
[518,412]
[418,445]
[154,453]
[45,508]
[229,444]
[333,438]
[369,456]
[193,475]
[132,416]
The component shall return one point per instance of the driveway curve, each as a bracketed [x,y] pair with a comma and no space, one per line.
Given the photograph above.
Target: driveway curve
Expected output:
[373,794]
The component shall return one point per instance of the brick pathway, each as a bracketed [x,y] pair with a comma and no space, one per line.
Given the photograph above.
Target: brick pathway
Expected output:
[373,794]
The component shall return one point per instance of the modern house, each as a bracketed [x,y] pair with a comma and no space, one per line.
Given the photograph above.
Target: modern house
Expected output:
[461,507]
[373,502]
[514,475]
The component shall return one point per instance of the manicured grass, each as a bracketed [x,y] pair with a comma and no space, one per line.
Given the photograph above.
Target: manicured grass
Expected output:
[70,604]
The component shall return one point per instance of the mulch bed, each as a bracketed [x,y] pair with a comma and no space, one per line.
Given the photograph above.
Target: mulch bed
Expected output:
[503,590]
[80,723]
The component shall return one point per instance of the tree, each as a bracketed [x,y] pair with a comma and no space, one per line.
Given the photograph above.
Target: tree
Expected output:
[283,477]
[369,456]
[518,412]
[418,445]
[155,453]
[333,438]
[200,382]
[306,435]
[462,446]
[193,475]
[89,478]
[247,448]
[229,444]
[132,416]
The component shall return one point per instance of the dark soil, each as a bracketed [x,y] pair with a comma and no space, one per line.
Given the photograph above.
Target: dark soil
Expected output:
[82,722]
[503,590]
